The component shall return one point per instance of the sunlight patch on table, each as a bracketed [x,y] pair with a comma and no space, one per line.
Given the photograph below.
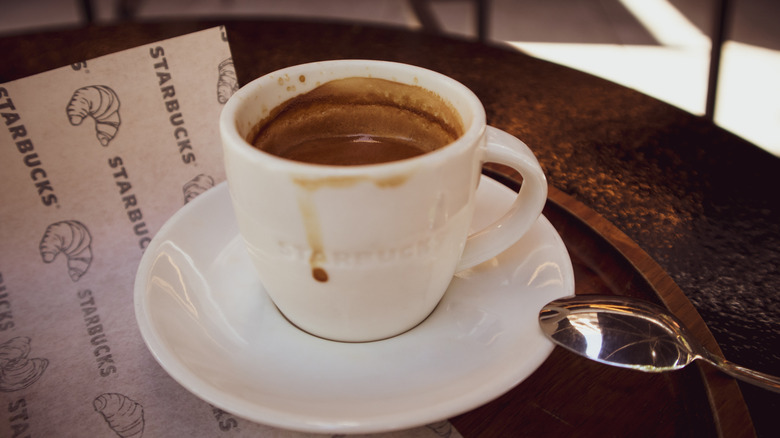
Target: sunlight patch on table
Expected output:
[749,94]
[676,75]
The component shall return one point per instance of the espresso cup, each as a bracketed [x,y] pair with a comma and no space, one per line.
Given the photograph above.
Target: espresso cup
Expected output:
[362,252]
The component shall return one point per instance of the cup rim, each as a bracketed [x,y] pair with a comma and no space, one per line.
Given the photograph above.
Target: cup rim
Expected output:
[474,129]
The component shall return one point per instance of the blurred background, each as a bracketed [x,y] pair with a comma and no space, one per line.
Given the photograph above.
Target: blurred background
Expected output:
[662,48]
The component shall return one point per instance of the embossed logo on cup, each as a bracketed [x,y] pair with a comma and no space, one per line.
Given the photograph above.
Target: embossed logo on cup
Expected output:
[336,258]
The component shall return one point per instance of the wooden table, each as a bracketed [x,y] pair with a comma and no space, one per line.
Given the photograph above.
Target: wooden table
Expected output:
[651,202]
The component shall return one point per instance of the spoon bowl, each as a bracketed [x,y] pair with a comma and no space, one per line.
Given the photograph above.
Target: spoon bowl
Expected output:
[635,334]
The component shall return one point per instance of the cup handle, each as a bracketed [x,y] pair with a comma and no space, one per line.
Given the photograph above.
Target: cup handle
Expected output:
[503,148]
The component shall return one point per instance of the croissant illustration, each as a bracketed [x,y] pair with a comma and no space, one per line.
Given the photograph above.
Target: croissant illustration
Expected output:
[102,104]
[17,371]
[123,415]
[71,238]
[13,350]
[196,186]
[228,81]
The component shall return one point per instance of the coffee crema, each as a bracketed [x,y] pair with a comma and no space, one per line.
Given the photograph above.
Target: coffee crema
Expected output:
[357,121]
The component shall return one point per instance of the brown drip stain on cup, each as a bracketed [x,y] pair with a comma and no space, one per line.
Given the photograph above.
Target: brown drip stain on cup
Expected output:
[307,188]
[313,235]
[350,122]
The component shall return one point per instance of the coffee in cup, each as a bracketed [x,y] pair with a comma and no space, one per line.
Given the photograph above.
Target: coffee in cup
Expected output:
[358,121]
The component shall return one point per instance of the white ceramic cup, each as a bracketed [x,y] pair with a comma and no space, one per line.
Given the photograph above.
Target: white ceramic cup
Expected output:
[362,253]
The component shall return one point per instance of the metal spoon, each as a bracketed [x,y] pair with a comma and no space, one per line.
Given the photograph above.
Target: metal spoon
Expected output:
[630,333]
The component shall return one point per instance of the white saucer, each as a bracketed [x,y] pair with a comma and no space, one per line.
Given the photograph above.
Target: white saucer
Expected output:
[204,316]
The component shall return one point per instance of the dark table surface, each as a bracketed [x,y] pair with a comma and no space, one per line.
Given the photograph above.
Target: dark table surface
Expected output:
[702,202]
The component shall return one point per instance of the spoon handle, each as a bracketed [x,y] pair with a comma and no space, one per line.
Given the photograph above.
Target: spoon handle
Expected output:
[762,380]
